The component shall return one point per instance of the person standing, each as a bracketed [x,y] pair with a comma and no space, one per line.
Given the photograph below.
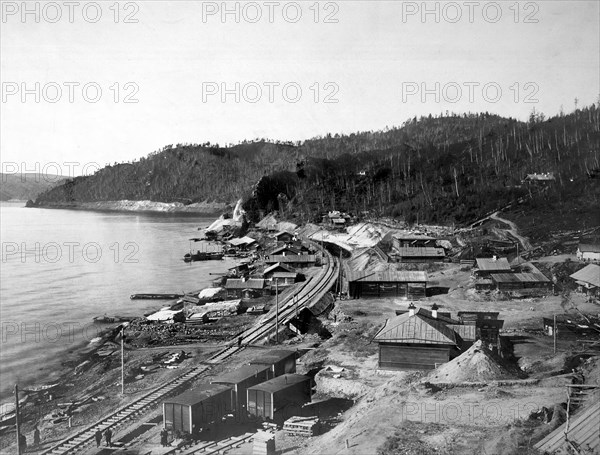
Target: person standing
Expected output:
[36,436]
[163,437]
[108,437]
[22,443]
[98,436]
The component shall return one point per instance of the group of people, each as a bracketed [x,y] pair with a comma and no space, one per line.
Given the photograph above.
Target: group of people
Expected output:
[107,437]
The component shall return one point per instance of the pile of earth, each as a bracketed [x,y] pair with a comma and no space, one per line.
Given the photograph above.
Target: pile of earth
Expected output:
[477,364]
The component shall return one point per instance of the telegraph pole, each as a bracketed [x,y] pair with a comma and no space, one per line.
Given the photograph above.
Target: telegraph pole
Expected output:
[122,363]
[554,333]
[17,419]
[276,311]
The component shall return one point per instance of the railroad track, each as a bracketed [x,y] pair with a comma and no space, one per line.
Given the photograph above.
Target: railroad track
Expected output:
[78,441]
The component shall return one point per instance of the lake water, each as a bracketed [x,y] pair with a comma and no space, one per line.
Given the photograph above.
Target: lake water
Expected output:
[60,268]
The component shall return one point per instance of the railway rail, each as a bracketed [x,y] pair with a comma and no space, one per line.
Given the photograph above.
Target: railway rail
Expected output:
[312,290]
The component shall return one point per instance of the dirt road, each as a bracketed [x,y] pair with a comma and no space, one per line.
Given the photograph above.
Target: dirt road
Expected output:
[513,231]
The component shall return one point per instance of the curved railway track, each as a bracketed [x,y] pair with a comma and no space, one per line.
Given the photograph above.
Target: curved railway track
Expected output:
[312,290]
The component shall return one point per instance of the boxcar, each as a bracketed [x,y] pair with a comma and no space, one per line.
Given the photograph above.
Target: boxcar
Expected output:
[280,397]
[196,408]
[281,361]
[240,379]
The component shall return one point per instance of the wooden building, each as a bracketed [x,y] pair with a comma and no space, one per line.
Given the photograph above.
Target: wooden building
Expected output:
[295,261]
[281,361]
[588,279]
[279,398]
[404,284]
[287,250]
[421,254]
[283,279]
[242,287]
[284,236]
[275,268]
[588,252]
[419,339]
[240,379]
[487,266]
[400,241]
[521,281]
[486,323]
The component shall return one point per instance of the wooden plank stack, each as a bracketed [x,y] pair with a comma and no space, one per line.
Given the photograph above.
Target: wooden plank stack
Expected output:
[301,426]
[264,443]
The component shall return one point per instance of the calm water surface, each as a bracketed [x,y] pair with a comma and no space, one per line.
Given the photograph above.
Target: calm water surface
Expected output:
[60,268]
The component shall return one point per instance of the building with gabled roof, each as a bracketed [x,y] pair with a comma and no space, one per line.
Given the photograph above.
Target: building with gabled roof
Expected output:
[295,261]
[588,252]
[235,287]
[423,339]
[417,340]
[487,266]
[285,250]
[588,279]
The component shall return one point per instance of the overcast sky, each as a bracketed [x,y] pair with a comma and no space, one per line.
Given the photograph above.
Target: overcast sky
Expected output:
[360,65]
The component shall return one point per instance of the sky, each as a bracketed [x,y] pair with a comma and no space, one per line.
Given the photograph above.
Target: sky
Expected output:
[91,83]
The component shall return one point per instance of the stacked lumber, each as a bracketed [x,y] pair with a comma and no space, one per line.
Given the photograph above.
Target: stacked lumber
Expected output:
[301,426]
[264,443]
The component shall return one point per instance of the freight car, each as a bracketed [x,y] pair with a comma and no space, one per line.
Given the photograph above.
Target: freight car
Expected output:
[281,361]
[279,398]
[240,379]
[197,408]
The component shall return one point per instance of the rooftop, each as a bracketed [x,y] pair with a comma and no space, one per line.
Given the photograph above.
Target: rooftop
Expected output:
[273,356]
[199,394]
[240,374]
[519,278]
[280,383]
[493,264]
[417,329]
[277,265]
[421,251]
[589,247]
[303,258]
[239,283]
[392,276]
[589,274]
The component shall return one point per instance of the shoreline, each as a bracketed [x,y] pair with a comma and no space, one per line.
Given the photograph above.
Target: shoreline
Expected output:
[126,206]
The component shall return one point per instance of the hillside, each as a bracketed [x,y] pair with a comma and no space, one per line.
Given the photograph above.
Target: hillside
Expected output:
[23,187]
[446,169]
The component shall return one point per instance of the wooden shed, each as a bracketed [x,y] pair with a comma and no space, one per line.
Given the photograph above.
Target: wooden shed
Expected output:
[280,398]
[412,240]
[293,260]
[284,236]
[196,408]
[240,379]
[487,266]
[588,279]
[419,254]
[417,340]
[238,287]
[521,281]
[281,361]
[404,284]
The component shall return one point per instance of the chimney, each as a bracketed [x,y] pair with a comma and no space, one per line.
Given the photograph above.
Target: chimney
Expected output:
[434,309]
[411,309]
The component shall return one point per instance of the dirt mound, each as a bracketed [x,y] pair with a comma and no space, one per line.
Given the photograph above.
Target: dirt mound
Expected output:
[474,365]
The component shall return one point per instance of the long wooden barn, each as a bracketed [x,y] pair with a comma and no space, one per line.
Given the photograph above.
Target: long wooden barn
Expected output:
[403,284]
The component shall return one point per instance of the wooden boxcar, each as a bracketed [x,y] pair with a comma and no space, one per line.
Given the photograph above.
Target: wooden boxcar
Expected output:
[281,361]
[280,397]
[240,379]
[196,408]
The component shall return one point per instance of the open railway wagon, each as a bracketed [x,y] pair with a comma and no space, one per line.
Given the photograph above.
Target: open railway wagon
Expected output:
[279,398]
[197,408]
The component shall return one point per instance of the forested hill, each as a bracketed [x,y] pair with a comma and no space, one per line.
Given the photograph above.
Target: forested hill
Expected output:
[449,168]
